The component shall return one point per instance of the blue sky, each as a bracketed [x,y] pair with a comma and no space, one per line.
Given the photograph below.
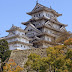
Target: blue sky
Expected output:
[14,12]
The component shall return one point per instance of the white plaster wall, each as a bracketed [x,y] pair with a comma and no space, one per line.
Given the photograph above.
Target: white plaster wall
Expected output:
[13,33]
[18,46]
[37,14]
[19,33]
[48,38]
[48,31]
[22,46]
[43,37]
[18,39]
[45,14]
[12,46]
[46,45]
[23,40]
[48,14]
[12,40]
[56,26]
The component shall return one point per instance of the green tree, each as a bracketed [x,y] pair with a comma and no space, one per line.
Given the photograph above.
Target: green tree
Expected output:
[59,59]
[4,50]
[36,63]
[56,57]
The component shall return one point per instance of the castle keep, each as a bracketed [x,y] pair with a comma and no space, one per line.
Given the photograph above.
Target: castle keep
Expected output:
[40,32]
[43,27]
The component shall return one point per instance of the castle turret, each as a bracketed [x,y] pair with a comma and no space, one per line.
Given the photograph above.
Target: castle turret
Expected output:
[16,39]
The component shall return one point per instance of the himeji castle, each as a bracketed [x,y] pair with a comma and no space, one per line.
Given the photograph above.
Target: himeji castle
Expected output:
[43,27]
[40,32]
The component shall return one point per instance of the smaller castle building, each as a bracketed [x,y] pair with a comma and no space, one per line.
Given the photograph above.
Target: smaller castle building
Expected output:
[17,39]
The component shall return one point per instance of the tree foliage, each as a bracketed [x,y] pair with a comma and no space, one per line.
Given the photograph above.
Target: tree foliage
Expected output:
[68,42]
[36,63]
[12,67]
[59,59]
[4,50]
[62,37]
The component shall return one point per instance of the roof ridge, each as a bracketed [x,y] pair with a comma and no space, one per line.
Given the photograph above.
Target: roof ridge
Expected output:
[40,5]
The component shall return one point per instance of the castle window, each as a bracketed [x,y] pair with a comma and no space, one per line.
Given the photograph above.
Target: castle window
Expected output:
[60,26]
[34,15]
[21,45]
[53,22]
[28,30]
[50,31]
[25,33]
[39,14]
[48,39]
[34,24]
[24,46]
[45,31]
[46,14]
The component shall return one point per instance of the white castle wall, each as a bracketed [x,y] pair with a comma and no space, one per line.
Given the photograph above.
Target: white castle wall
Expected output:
[19,32]
[56,26]
[18,46]
[48,38]
[18,39]
[45,14]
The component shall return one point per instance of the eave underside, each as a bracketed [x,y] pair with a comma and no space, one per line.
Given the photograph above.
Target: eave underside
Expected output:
[46,34]
[15,42]
[44,26]
[16,36]
[43,41]
[43,18]
[44,9]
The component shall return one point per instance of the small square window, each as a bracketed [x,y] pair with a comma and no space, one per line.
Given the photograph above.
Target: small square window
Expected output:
[46,14]
[21,45]
[39,14]
[48,39]
[34,15]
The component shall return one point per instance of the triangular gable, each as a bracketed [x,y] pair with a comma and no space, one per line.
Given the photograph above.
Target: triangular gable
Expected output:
[13,27]
[36,38]
[48,24]
[31,26]
[37,7]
